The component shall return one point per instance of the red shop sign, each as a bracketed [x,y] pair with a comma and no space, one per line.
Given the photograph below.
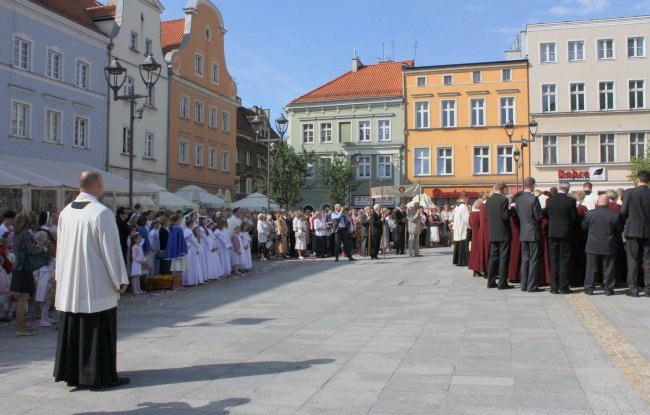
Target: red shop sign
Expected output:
[573,175]
[439,194]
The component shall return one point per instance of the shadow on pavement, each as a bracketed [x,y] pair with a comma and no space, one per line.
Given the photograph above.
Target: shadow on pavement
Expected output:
[177,408]
[168,376]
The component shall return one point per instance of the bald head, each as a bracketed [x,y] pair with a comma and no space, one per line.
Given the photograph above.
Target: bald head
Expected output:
[91,182]
[603,200]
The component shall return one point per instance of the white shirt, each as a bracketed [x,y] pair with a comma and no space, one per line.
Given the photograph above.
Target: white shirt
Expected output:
[233,222]
[590,201]
[461,222]
[90,267]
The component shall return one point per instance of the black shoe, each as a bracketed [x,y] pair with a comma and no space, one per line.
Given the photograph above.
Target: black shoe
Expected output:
[608,293]
[336,259]
[568,291]
[351,259]
[374,257]
[536,290]
[506,287]
[589,292]
[631,293]
[554,292]
[493,285]
[120,382]
[523,290]
[476,274]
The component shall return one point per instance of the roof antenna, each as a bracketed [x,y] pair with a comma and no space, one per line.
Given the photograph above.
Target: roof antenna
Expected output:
[415,52]
[383,52]
[392,58]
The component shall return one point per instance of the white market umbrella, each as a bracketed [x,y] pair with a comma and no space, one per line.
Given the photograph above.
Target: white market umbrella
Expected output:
[255,201]
[200,196]
[424,200]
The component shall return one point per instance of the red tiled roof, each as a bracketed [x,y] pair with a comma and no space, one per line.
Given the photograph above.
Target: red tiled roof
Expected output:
[100,11]
[171,34]
[73,10]
[379,80]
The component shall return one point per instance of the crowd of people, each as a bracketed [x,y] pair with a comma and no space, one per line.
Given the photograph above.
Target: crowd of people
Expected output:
[557,238]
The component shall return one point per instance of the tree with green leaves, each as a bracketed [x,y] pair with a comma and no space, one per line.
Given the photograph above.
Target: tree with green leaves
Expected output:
[639,163]
[338,178]
[289,171]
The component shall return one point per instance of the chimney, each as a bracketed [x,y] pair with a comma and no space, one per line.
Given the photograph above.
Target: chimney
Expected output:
[356,63]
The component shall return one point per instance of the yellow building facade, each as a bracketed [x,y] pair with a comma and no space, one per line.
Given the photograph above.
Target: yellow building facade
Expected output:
[455,135]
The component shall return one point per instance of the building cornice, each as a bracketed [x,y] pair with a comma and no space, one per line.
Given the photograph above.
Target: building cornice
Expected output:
[580,24]
[317,105]
[63,85]
[203,90]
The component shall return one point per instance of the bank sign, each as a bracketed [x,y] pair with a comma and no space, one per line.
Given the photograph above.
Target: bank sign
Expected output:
[594,174]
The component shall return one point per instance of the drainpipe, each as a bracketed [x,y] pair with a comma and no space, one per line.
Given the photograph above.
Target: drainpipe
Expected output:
[109,52]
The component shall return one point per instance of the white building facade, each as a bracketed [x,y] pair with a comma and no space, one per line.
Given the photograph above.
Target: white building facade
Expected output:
[588,87]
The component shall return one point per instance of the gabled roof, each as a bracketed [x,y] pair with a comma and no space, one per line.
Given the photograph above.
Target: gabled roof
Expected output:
[73,10]
[99,12]
[244,127]
[379,80]
[171,34]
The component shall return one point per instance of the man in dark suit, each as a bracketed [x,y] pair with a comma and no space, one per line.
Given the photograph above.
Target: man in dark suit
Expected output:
[400,227]
[377,224]
[562,219]
[499,230]
[364,219]
[603,227]
[636,212]
[529,212]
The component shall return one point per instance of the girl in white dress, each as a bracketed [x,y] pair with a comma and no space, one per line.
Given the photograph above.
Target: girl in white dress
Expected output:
[193,274]
[224,247]
[235,254]
[154,247]
[301,236]
[137,261]
[214,269]
[246,255]
[45,278]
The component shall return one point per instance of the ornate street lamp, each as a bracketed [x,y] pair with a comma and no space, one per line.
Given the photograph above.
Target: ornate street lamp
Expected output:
[516,156]
[509,127]
[115,75]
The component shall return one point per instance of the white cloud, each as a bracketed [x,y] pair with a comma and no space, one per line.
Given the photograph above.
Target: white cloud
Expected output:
[568,7]
[643,6]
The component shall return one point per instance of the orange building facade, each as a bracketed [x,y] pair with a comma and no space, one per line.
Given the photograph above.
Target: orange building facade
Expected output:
[202,101]
[455,117]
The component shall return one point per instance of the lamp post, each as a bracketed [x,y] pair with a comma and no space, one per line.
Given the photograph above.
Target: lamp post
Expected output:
[532,130]
[281,124]
[115,75]
[516,155]
[354,160]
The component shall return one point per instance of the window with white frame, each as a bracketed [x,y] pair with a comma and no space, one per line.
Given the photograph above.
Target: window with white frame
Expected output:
[52,127]
[384,130]
[81,74]
[198,64]
[608,148]
[549,98]
[448,113]
[212,121]
[445,161]
[637,94]
[225,160]
[129,86]
[507,110]
[606,95]
[212,158]
[549,149]
[547,52]
[53,65]
[249,185]
[80,138]
[126,143]
[151,97]
[22,54]
[214,73]
[363,167]
[578,100]
[326,132]
[448,79]
[476,77]
[422,162]
[384,167]
[638,145]
[308,133]
[198,111]
[422,114]
[185,107]
[482,160]
[505,162]
[578,148]
[198,155]
[225,121]
[605,49]
[422,81]
[478,112]
[364,131]
[183,151]
[148,47]
[249,158]
[576,50]
[20,119]
[506,75]
[636,47]
[133,41]
[148,145]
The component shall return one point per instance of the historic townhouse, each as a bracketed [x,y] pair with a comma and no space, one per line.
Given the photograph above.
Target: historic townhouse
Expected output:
[359,115]
[133,27]
[588,91]
[52,86]
[455,117]
[252,152]
[202,101]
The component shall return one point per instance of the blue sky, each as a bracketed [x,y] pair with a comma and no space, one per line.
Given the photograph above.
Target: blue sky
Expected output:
[278,50]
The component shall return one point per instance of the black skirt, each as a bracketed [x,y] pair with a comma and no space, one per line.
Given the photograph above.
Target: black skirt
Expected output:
[23,282]
[86,351]
[461,253]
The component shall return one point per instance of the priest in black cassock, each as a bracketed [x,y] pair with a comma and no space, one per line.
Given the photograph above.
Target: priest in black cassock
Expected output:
[90,276]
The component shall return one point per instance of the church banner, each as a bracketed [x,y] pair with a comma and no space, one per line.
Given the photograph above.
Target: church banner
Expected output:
[409,190]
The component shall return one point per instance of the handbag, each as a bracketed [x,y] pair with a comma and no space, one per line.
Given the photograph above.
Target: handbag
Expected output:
[30,263]
[469,234]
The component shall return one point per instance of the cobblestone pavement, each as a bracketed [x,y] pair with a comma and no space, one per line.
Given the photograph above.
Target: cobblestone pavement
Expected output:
[395,336]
